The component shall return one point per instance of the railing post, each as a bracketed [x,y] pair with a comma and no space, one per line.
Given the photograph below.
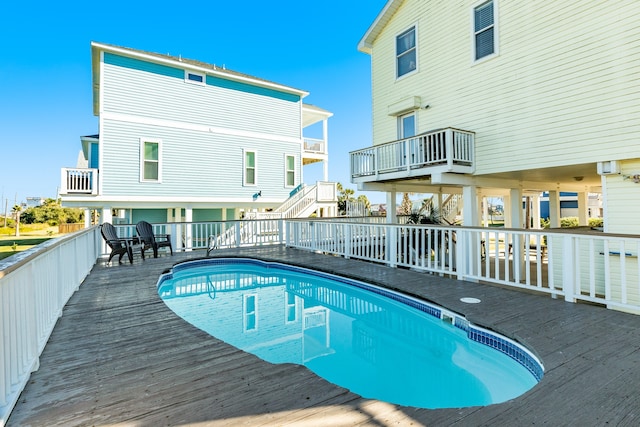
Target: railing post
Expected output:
[448,141]
[175,232]
[94,182]
[237,231]
[568,273]
[347,240]
[392,245]
[407,154]
[281,231]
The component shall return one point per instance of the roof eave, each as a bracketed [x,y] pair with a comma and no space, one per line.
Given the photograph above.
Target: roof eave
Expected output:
[366,43]
[97,48]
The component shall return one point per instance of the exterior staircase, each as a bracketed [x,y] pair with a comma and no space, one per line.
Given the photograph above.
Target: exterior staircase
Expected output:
[302,202]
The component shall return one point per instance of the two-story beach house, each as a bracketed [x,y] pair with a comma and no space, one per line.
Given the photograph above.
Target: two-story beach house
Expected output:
[506,98]
[183,140]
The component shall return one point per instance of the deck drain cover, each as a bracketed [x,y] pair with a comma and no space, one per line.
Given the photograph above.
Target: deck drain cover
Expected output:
[469,300]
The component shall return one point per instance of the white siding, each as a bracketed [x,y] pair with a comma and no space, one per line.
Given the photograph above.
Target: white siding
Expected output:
[623,199]
[140,92]
[195,164]
[563,90]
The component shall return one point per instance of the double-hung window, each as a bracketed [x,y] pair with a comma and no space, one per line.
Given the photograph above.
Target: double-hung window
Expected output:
[250,312]
[150,160]
[484,27]
[406,59]
[290,171]
[249,168]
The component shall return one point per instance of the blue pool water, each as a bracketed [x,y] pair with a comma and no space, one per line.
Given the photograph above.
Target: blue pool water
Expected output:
[374,342]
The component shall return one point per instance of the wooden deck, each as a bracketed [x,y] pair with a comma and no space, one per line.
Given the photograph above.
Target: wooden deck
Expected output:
[119,357]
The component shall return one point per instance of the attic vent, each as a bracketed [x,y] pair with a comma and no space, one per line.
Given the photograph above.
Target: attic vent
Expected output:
[191,77]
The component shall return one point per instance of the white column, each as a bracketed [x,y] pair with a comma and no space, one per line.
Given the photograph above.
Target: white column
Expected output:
[583,209]
[485,211]
[391,207]
[536,211]
[325,138]
[223,216]
[506,211]
[554,209]
[106,215]
[188,237]
[87,218]
[515,207]
[470,206]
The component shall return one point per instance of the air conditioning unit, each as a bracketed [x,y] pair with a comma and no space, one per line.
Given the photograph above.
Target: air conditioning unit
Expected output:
[612,167]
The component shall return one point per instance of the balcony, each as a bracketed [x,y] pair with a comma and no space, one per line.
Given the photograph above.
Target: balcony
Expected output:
[79,181]
[314,150]
[441,150]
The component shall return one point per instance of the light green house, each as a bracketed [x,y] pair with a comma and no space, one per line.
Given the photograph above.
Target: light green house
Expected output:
[183,140]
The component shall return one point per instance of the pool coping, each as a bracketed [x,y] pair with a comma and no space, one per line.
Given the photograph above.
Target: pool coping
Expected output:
[494,340]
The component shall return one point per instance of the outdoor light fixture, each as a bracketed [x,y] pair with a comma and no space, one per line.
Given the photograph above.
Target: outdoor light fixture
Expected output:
[256,195]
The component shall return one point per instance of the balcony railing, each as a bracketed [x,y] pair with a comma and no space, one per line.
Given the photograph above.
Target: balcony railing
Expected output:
[444,150]
[317,146]
[79,181]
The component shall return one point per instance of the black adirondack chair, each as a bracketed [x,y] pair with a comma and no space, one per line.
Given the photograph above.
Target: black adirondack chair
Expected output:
[150,240]
[118,245]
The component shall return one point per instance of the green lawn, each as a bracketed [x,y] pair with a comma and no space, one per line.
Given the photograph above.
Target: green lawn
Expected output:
[29,237]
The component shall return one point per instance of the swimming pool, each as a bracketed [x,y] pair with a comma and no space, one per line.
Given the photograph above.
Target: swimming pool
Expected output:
[377,343]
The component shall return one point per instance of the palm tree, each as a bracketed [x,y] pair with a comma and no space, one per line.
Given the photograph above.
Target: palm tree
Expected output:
[16,211]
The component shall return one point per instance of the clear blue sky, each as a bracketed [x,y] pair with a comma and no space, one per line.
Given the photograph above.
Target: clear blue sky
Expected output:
[45,70]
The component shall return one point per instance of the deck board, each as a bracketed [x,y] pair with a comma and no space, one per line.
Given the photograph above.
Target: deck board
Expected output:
[118,355]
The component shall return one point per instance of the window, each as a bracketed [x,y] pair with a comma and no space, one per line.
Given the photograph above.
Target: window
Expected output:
[249,168]
[150,160]
[291,310]
[406,61]
[484,30]
[407,126]
[250,312]
[191,77]
[290,171]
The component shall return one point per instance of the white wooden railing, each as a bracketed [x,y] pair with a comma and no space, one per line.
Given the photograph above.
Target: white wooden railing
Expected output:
[597,268]
[448,149]
[313,145]
[35,285]
[79,181]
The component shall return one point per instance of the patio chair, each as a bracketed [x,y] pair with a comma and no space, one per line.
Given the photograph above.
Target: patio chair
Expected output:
[150,240]
[118,245]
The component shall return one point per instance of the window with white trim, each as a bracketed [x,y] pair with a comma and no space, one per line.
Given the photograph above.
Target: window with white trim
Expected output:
[193,77]
[290,171]
[291,307]
[250,312]
[406,58]
[407,125]
[484,38]
[150,160]
[249,168]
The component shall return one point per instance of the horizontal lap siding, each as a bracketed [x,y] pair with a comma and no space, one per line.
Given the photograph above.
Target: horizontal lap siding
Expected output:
[194,164]
[564,89]
[623,199]
[156,91]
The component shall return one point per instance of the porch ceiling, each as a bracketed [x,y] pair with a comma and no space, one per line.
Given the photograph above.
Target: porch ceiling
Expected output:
[567,178]
[572,175]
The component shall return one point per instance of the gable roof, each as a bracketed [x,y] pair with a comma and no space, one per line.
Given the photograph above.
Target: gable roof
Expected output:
[178,62]
[366,43]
